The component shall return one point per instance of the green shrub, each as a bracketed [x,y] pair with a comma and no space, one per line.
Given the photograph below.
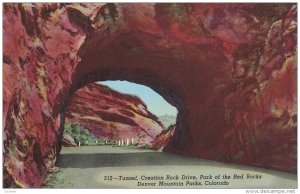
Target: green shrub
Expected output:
[78,133]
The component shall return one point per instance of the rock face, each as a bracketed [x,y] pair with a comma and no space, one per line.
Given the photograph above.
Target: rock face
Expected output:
[39,57]
[68,141]
[163,138]
[230,69]
[111,115]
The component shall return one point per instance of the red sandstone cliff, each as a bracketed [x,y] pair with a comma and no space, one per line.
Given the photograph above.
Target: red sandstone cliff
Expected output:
[39,57]
[111,115]
[163,138]
[230,69]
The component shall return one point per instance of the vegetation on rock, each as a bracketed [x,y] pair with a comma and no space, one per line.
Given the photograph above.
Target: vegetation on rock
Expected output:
[78,133]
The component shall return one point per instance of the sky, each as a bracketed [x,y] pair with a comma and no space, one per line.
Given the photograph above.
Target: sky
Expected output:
[155,102]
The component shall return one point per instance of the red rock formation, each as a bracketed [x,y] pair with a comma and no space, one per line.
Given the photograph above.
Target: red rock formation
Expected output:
[111,115]
[230,70]
[261,110]
[163,138]
[40,54]
[68,141]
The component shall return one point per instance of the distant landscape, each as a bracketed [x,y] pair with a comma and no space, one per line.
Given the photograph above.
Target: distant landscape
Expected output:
[167,120]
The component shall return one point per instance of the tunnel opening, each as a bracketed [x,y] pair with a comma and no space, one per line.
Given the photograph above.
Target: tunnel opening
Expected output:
[114,124]
[118,113]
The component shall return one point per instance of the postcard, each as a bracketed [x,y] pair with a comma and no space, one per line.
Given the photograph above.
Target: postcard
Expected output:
[150,95]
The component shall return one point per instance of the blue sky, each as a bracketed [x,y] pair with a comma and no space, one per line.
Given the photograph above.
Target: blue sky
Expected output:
[155,103]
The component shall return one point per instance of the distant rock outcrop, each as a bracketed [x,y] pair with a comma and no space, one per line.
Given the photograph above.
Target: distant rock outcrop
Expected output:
[167,120]
[111,115]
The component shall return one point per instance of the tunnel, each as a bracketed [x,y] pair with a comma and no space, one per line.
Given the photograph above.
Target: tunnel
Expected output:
[180,80]
[118,113]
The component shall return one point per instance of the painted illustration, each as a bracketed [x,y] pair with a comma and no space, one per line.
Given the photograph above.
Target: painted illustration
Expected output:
[150,95]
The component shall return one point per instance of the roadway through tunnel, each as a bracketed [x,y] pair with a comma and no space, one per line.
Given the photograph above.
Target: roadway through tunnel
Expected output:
[123,167]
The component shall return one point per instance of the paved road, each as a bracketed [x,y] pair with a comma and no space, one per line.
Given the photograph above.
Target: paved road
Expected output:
[121,167]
